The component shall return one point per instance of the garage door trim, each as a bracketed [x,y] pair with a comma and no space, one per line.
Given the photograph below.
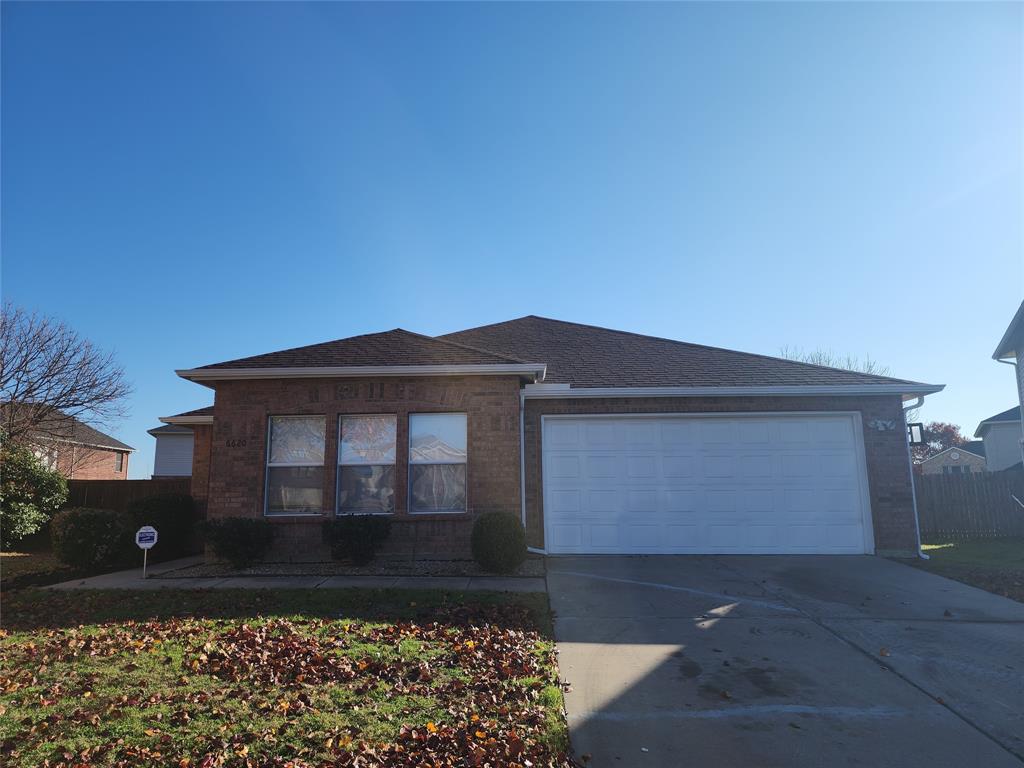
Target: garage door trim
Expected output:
[859,453]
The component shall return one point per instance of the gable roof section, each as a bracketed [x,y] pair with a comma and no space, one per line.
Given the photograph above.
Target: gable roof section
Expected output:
[587,356]
[1008,345]
[62,428]
[198,416]
[1007,416]
[369,354]
[974,447]
[169,429]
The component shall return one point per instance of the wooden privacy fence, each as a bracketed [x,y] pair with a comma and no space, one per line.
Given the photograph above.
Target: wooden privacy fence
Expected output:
[970,506]
[118,494]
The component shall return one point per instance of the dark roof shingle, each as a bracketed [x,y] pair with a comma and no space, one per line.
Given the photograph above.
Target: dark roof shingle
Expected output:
[396,347]
[588,356]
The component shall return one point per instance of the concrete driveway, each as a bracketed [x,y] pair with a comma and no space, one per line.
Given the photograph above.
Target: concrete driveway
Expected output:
[785,661]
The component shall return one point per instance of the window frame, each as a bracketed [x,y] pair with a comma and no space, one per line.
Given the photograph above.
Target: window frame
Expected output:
[409,464]
[267,464]
[118,461]
[338,512]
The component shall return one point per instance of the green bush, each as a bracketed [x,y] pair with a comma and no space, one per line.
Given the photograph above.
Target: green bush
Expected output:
[499,542]
[29,494]
[91,538]
[239,540]
[356,537]
[174,517]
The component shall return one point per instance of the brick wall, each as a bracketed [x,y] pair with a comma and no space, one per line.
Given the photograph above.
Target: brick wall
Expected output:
[888,472]
[936,466]
[238,451]
[202,440]
[81,462]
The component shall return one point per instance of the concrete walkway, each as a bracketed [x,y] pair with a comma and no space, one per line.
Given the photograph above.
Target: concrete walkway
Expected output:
[132,579]
[785,662]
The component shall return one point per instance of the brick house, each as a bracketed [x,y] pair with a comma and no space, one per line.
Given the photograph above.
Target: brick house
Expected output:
[966,459]
[602,441]
[81,452]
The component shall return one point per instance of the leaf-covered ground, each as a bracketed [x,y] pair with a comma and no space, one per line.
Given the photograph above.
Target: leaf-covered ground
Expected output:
[278,678]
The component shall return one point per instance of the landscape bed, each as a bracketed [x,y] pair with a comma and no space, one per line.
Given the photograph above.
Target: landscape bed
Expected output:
[279,678]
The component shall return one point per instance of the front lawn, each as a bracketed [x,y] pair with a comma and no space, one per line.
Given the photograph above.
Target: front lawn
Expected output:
[278,677]
[31,568]
[996,565]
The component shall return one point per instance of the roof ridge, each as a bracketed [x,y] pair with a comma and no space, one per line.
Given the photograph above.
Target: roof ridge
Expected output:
[504,358]
[693,345]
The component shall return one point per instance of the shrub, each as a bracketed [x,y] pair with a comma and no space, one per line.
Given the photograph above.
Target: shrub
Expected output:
[91,538]
[499,542]
[174,517]
[29,494]
[356,537]
[239,540]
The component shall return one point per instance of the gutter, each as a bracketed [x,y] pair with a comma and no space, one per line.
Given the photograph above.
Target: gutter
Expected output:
[534,371]
[186,420]
[549,392]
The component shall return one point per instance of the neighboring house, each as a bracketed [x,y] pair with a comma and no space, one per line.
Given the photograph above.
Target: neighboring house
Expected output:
[81,452]
[1002,437]
[173,455]
[968,458]
[1011,351]
[603,441]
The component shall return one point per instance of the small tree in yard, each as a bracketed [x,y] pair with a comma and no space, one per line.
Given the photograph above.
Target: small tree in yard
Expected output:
[29,494]
[938,436]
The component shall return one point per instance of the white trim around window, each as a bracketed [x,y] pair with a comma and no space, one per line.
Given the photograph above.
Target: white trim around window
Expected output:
[438,459]
[294,476]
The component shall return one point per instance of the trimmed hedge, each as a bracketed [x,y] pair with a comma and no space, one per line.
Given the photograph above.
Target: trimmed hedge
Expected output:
[499,542]
[29,494]
[356,537]
[174,517]
[239,540]
[91,538]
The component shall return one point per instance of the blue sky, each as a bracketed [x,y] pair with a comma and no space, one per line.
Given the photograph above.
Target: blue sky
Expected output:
[186,183]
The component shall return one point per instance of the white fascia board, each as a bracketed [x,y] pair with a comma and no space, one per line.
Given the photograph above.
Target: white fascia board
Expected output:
[186,420]
[847,390]
[993,423]
[1003,352]
[533,370]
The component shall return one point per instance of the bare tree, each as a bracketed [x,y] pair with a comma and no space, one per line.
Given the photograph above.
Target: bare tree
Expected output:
[830,359]
[49,373]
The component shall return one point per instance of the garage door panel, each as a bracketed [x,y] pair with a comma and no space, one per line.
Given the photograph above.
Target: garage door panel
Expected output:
[787,484]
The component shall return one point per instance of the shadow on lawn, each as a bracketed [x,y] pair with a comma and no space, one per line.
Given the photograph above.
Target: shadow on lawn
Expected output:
[26,610]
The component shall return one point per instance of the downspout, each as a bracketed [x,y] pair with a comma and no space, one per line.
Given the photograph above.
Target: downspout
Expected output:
[910,465]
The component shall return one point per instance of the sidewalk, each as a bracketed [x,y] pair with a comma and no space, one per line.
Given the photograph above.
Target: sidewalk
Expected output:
[132,579]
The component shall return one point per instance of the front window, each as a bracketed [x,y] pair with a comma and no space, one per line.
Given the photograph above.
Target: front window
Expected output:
[118,462]
[366,464]
[437,462]
[295,465]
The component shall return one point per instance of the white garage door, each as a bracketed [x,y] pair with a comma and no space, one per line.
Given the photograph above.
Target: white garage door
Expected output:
[718,484]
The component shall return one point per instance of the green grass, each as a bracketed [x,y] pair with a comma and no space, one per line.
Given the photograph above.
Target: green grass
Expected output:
[979,553]
[310,676]
[31,568]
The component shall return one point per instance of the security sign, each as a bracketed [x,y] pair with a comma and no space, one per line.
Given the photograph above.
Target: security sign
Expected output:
[145,537]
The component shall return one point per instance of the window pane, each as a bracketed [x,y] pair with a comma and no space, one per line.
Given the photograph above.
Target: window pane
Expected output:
[366,489]
[437,488]
[297,439]
[368,439]
[294,490]
[436,438]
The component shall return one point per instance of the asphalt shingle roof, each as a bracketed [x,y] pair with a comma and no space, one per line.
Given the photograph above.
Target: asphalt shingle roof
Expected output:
[1010,414]
[395,347]
[59,426]
[207,411]
[170,429]
[588,356]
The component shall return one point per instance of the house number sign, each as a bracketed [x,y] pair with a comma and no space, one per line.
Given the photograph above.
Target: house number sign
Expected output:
[235,442]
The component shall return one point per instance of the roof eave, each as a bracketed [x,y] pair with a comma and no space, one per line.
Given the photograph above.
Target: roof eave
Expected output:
[1003,351]
[187,420]
[529,371]
[906,391]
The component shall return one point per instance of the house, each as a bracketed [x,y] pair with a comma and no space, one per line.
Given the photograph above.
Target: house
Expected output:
[603,441]
[968,458]
[183,449]
[76,450]
[1011,351]
[1002,437]
[172,457]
